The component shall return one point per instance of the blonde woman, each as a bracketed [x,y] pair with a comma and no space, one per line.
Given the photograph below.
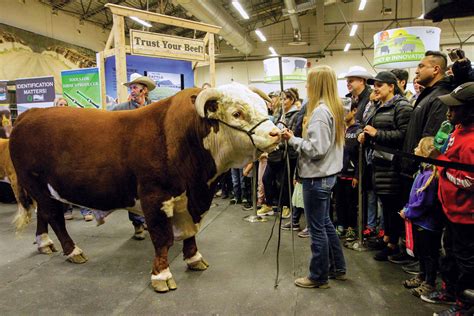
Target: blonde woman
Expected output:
[61,102]
[321,155]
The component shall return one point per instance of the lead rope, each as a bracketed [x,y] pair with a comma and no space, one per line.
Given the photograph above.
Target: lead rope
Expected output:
[286,171]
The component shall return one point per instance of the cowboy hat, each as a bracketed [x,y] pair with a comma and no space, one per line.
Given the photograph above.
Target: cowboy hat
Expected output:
[137,78]
[358,71]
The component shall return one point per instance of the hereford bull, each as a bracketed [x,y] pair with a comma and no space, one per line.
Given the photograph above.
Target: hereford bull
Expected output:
[164,158]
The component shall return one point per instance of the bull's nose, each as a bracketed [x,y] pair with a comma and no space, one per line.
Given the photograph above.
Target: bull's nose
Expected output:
[275,133]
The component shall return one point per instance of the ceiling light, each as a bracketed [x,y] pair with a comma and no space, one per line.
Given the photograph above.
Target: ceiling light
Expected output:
[241,10]
[144,23]
[353,30]
[362,4]
[272,50]
[421,17]
[260,35]
[346,48]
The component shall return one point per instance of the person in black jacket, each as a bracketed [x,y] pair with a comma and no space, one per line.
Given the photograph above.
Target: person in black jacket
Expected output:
[387,127]
[273,177]
[359,91]
[428,111]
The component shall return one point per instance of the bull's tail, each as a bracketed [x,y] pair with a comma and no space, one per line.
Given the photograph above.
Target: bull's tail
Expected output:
[25,207]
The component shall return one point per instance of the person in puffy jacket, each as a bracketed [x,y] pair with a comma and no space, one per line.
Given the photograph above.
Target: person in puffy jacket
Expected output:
[387,126]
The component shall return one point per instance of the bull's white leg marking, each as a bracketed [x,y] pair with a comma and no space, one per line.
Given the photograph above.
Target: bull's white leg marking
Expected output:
[168,206]
[182,222]
[43,240]
[162,276]
[197,257]
[75,252]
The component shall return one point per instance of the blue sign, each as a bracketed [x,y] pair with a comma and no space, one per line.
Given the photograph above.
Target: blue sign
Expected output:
[142,64]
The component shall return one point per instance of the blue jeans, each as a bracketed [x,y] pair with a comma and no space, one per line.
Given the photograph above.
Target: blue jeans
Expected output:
[371,209]
[136,220]
[238,183]
[326,249]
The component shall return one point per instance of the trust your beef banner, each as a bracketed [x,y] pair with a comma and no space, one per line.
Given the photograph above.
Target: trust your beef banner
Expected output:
[81,87]
[34,93]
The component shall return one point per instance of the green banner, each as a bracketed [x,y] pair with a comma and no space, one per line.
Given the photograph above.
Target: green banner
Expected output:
[81,87]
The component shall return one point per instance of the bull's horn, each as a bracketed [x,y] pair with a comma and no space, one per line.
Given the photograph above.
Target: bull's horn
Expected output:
[204,96]
[262,94]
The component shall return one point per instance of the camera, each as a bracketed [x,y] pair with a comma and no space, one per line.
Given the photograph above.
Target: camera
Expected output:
[456,54]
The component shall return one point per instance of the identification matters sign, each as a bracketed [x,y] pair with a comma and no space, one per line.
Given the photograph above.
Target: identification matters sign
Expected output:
[159,45]
[34,92]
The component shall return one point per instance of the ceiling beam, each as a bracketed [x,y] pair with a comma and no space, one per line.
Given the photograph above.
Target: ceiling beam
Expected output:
[163,19]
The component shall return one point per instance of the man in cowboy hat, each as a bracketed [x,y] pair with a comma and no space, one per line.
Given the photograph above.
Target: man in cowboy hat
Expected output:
[359,91]
[139,87]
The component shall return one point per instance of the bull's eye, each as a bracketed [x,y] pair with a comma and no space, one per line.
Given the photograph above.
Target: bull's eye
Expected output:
[237,114]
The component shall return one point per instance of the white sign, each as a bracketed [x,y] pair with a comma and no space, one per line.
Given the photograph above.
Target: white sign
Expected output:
[404,47]
[293,69]
[159,45]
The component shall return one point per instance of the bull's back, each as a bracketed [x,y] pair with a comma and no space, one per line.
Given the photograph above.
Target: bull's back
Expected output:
[78,152]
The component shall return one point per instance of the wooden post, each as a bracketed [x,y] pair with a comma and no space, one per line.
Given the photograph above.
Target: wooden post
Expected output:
[101,65]
[108,44]
[212,62]
[120,57]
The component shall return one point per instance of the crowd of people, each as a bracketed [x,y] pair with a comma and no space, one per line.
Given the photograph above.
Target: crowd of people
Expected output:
[406,199]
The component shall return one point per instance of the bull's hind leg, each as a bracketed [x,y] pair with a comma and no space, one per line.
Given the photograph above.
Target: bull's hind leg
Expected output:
[192,257]
[161,234]
[52,212]
[43,242]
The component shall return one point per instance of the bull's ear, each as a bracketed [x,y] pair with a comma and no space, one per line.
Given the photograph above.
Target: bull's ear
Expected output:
[210,108]
[193,99]
[204,104]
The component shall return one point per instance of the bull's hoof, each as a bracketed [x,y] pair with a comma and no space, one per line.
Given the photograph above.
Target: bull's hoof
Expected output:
[200,265]
[47,250]
[81,258]
[77,256]
[163,286]
[171,284]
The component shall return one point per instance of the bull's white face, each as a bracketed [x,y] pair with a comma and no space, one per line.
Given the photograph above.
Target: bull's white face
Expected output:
[240,107]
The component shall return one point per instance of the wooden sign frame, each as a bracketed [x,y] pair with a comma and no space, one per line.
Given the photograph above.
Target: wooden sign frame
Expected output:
[120,49]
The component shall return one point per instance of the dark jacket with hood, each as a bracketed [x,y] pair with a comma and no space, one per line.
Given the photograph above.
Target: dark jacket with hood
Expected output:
[290,120]
[428,114]
[391,121]
[362,101]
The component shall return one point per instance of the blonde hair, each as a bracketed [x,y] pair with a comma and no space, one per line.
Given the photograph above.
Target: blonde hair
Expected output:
[56,102]
[322,85]
[426,145]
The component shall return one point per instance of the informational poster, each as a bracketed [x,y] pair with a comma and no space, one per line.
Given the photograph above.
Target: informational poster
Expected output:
[404,47]
[81,87]
[167,84]
[34,93]
[142,65]
[293,68]
[3,92]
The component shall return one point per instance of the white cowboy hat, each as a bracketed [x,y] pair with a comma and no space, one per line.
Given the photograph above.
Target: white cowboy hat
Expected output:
[358,71]
[137,78]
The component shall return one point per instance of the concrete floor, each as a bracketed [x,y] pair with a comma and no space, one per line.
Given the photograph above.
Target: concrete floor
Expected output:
[240,279]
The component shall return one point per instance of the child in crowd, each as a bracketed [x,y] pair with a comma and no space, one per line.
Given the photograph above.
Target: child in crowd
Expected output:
[345,190]
[456,194]
[423,210]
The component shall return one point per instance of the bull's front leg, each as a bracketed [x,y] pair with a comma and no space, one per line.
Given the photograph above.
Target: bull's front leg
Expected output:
[192,256]
[161,234]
